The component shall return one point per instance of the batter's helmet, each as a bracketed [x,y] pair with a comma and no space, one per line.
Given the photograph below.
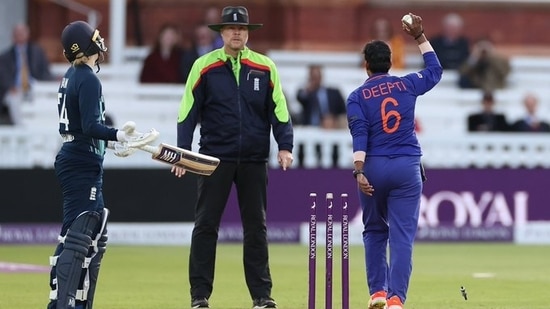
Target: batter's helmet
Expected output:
[80,39]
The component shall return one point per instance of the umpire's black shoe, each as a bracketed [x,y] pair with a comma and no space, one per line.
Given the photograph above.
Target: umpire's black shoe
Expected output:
[199,302]
[261,303]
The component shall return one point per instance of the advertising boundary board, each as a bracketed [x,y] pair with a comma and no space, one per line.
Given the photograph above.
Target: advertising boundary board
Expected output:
[457,204]
[179,234]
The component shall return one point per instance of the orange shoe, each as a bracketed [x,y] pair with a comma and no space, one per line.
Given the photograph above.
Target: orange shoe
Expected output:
[395,303]
[378,300]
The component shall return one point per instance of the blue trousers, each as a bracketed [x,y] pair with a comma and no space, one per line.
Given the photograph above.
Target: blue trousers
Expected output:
[390,218]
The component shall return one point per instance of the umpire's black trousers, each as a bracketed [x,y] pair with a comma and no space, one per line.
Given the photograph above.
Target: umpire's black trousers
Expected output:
[213,191]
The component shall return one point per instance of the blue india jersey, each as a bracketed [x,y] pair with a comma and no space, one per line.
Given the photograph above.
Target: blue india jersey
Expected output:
[81,110]
[381,112]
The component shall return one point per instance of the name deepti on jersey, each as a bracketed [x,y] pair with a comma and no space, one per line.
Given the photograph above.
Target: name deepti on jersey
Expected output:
[383,89]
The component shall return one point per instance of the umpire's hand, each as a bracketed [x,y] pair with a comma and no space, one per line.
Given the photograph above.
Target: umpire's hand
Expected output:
[285,159]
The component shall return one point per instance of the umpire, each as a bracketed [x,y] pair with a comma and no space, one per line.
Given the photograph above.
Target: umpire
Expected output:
[236,93]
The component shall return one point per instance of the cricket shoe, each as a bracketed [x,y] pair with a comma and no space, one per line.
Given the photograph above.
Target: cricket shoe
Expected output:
[378,300]
[395,303]
[200,302]
[261,303]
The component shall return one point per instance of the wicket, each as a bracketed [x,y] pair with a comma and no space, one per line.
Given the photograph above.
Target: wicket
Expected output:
[329,250]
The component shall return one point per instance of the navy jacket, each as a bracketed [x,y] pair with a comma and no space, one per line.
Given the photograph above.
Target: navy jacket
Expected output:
[236,117]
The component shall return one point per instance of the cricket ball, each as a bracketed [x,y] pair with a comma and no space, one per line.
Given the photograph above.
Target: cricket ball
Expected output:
[407,19]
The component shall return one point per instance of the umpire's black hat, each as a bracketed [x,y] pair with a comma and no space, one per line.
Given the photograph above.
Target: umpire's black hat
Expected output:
[234,15]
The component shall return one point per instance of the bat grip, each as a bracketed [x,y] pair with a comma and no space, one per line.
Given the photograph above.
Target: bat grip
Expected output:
[149,148]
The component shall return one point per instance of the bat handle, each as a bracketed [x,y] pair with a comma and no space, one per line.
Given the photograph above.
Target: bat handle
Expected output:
[149,148]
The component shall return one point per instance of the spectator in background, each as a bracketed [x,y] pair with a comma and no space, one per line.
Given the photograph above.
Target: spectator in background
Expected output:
[202,43]
[321,106]
[21,65]
[163,64]
[487,120]
[450,45]
[382,30]
[212,16]
[485,69]
[531,122]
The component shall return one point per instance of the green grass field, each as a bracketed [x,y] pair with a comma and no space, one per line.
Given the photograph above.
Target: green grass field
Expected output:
[156,277]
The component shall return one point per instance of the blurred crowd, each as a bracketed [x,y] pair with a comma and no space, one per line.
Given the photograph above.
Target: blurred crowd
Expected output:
[21,65]
[476,61]
[171,56]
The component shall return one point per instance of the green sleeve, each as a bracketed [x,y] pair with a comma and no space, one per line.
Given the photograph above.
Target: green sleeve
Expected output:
[281,109]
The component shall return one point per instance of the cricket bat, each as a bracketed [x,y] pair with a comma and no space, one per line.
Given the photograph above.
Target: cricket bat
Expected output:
[194,162]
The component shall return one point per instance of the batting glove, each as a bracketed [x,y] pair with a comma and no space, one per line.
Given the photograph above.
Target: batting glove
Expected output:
[121,149]
[133,138]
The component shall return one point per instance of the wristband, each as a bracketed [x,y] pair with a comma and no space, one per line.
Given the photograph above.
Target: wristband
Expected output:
[357,172]
[418,36]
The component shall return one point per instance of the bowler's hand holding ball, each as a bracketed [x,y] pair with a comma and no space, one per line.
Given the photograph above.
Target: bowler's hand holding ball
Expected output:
[407,20]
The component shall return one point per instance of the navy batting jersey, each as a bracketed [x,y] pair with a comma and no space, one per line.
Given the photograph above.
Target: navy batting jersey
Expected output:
[82,110]
[381,111]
